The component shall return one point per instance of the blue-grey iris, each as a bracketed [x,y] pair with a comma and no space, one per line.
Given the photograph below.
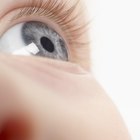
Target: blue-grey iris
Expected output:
[48,41]
[34,38]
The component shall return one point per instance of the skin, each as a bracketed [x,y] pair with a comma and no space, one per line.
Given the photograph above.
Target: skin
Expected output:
[48,99]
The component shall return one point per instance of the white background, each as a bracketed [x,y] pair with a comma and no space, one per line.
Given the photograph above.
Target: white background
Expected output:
[116,55]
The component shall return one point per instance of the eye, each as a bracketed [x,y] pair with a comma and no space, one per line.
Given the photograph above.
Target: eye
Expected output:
[47,42]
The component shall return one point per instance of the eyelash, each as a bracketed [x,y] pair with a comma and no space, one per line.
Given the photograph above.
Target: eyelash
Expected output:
[67,18]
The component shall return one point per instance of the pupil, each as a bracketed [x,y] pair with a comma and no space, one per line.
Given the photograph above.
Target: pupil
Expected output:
[47,44]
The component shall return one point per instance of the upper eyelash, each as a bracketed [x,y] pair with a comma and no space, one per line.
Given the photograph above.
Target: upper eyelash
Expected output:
[66,17]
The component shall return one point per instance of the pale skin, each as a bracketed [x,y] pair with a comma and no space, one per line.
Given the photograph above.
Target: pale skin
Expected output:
[56,100]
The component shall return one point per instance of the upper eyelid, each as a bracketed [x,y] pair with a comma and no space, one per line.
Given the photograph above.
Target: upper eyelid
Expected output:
[55,10]
[63,15]
[41,4]
[60,12]
[50,9]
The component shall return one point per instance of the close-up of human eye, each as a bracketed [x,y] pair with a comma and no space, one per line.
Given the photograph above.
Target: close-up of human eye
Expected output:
[47,42]
[68,69]
[51,29]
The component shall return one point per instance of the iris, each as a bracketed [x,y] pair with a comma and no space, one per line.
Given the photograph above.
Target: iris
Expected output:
[49,43]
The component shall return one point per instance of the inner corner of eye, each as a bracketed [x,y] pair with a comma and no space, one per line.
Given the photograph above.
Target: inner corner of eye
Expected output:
[46,42]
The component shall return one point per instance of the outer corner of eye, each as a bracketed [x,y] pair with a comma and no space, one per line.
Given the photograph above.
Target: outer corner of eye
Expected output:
[46,41]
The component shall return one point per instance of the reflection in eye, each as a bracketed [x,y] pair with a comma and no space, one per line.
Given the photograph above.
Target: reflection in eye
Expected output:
[49,43]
